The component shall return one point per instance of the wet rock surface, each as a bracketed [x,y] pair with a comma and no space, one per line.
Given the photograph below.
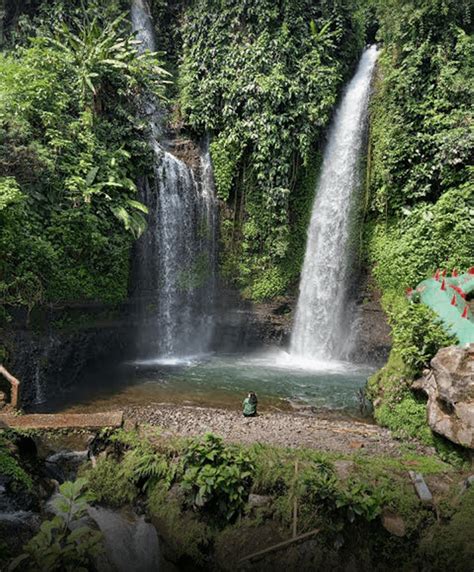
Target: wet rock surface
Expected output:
[373,341]
[283,429]
[272,321]
[52,353]
[47,365]
[242,325]
[449,385]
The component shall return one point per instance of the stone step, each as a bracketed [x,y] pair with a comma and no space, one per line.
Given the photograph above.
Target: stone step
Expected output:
[61,420]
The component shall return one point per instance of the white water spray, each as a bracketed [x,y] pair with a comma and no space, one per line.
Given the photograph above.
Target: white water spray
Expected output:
[322,328]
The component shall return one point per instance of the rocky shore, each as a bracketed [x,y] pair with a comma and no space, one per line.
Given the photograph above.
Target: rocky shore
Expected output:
[286,429]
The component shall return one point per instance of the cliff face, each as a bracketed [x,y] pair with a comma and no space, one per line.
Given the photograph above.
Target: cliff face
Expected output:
[373,341]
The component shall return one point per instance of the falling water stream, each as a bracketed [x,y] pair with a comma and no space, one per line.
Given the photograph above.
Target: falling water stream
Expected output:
[322,327]
[175,278]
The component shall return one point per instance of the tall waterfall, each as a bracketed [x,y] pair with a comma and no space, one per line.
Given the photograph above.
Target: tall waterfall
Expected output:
[176,256]
[322,327]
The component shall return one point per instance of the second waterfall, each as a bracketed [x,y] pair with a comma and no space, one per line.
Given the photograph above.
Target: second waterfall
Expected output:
[322,328]
[176,256]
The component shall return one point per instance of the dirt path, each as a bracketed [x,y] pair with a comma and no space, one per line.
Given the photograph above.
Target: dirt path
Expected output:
[284,429]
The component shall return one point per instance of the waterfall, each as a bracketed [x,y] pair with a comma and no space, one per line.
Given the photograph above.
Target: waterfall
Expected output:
[42,361]
[176,256]
[322,327]
[142,25]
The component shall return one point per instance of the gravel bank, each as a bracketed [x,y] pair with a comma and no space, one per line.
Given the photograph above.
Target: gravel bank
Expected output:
[279,428]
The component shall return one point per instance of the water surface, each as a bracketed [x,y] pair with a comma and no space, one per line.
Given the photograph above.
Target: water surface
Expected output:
[280,381]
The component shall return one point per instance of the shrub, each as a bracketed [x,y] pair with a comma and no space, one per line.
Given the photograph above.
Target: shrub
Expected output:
[10,467]
[216,477]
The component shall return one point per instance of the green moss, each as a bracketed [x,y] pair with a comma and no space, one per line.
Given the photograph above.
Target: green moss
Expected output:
[406,418]
[391,381]
[395,406]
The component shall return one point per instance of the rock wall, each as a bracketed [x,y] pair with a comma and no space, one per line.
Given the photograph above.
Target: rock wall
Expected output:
[242,325]
[52,357]
[372,339]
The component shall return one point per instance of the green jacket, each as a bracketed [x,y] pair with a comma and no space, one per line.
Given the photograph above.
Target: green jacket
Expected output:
[249,406]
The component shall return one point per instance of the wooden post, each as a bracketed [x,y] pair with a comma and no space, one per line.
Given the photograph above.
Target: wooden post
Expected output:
[14,383]
[295,502]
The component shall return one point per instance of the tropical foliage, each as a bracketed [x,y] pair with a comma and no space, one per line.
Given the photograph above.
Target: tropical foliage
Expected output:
[71,148]
[63,544]
[217,477]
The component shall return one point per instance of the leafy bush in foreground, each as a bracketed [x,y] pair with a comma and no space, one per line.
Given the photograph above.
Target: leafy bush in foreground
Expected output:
[217,477]
[57,547]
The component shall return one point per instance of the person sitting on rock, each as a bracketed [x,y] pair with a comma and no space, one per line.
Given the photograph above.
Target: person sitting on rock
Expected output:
[250,405]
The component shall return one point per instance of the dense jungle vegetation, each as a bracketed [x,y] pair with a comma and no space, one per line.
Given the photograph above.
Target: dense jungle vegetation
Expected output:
[71,150]
[263,79]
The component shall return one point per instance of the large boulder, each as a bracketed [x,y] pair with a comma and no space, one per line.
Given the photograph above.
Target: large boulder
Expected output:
[449,385]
